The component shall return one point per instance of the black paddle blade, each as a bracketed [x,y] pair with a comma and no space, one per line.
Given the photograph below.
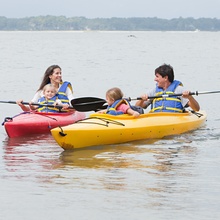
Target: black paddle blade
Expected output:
[86,104]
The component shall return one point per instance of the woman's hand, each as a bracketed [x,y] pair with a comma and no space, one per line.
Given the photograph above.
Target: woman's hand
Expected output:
[19,102]
[23,107]
[32,107]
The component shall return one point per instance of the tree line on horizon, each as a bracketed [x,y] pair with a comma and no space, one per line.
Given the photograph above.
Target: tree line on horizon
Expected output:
[62,23]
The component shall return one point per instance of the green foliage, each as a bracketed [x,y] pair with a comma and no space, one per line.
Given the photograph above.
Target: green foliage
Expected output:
[41,23]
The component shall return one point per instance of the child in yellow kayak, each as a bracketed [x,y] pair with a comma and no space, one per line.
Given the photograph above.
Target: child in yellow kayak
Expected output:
[117,105]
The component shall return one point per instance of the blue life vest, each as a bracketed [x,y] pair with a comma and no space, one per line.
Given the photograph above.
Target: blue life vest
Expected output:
[167,104]
[111,110]
[43,108]
[61,94]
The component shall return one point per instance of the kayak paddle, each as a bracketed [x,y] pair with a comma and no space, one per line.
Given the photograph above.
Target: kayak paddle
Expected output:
[27,103]
[80,104]
[95,104]
[85,104]
[88,104]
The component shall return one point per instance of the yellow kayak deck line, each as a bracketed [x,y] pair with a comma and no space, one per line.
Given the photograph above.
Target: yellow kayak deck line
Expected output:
[103,129]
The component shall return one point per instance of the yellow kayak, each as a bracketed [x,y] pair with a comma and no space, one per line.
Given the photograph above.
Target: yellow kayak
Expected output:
[103,129]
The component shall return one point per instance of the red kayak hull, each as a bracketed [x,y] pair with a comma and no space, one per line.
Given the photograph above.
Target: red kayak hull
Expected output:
[29,123]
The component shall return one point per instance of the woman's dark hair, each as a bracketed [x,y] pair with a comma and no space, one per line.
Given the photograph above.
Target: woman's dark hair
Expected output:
[165,70]
[46,79]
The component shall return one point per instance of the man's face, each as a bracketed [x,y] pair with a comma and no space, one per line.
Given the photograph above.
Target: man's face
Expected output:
[160,80]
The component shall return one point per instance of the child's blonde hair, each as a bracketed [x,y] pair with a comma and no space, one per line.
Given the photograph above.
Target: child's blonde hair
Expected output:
[48,86]
[115,93]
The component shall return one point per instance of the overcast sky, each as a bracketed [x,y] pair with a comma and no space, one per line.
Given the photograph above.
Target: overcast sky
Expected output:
[111,8]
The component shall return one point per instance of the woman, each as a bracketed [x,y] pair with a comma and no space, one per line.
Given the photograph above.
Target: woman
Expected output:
[53,75]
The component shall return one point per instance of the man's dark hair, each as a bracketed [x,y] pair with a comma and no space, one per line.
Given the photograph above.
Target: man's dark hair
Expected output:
[165,70]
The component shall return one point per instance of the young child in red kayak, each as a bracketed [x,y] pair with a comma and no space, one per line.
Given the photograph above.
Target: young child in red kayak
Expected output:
[117,105]
[49,98]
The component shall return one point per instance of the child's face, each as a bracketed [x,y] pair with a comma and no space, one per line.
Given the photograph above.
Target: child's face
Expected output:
[49,93]
[109,100]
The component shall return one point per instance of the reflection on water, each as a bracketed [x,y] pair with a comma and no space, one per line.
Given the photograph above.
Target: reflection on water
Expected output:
[118,163]
[40,158]
[24,155]
[27,140]
[154,173]
[110,156]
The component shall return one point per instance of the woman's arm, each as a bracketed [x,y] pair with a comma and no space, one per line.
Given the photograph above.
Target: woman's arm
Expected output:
[23,107]
[37,96]
[69,94]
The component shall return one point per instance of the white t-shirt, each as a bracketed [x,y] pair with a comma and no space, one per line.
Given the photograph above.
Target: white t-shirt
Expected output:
[178,90]
[40,94]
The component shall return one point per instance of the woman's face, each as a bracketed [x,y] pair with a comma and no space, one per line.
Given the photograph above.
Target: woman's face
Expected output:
[56,76]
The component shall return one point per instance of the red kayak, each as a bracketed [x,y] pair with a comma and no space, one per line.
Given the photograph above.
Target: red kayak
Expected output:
[29,123]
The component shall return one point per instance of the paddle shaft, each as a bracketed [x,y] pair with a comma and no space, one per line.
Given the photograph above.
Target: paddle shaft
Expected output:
[27,103]
[171,95]
[94,103]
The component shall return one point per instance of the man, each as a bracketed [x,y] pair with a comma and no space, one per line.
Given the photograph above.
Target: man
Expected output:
[166,85]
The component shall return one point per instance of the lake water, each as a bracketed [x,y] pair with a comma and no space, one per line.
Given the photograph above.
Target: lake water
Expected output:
[173,178]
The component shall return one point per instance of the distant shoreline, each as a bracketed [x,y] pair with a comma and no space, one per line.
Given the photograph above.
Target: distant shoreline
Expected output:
[62,23]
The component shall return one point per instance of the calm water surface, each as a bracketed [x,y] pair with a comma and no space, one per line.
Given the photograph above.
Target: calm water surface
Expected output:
[177,177]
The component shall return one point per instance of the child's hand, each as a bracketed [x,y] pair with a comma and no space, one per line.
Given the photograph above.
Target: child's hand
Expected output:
[65,106]
[136,114]
[101,111]
[56,103]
